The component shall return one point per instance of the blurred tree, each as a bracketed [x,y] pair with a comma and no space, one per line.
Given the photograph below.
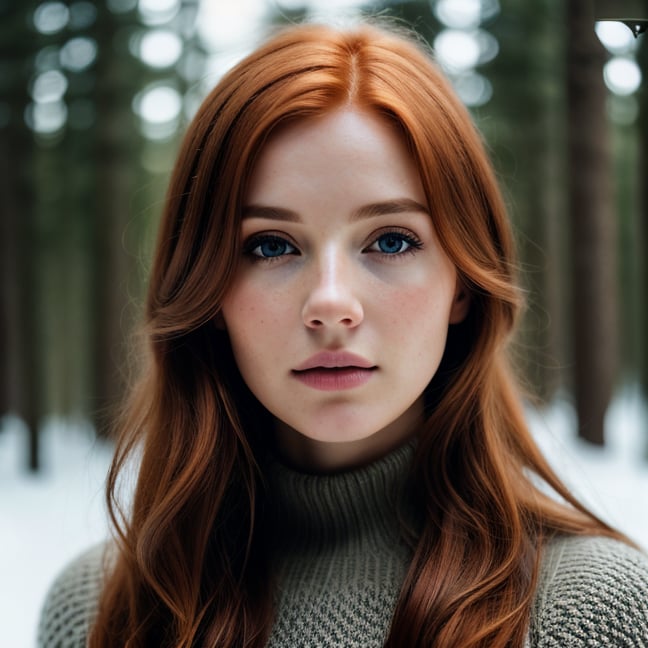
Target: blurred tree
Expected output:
[77,184]
[642,59]
[114,154]
[593,224]
[117,207]
[21,349]
[632,171]
[524,124]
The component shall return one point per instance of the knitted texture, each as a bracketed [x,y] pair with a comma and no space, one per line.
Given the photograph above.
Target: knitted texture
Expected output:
[592,592]
[340,560]
[339,554]
[72,601]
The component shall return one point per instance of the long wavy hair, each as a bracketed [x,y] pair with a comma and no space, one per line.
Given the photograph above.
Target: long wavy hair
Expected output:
[191,567]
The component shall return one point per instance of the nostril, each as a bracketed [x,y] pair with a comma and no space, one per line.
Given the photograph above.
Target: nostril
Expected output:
[323,309]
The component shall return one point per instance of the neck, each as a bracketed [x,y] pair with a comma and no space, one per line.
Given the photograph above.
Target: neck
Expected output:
[316,456]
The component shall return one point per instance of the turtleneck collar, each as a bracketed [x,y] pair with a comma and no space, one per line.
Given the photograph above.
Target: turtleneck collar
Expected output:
[367,505]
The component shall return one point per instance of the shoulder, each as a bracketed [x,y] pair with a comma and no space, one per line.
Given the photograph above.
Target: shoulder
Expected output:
[592,591]
[71,601]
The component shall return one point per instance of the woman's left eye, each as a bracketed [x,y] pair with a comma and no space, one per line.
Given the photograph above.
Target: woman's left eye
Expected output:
[393,243]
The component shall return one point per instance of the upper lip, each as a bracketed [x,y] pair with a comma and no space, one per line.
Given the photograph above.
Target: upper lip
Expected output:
[332,359]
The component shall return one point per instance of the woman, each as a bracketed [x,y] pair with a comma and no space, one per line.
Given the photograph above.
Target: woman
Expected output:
[332,446]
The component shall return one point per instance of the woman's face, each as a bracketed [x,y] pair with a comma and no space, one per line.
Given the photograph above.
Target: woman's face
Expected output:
[339,312]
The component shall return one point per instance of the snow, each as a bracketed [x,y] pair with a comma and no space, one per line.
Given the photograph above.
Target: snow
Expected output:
[611,481]
[48,518]
[45,518]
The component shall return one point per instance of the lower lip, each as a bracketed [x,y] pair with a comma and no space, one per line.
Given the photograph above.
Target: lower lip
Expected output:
[334,379]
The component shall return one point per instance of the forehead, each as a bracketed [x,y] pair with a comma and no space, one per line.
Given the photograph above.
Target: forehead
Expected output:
[360,126]
[344,149]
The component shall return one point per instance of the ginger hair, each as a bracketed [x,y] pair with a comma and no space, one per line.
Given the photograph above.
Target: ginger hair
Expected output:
[191,567]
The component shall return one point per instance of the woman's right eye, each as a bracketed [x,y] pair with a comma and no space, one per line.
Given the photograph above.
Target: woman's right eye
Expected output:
[269,247]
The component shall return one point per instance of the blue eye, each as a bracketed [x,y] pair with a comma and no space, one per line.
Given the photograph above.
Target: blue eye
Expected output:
[393,243]
[269,247]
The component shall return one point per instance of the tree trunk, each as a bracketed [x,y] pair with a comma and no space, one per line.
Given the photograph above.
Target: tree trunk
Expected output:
[21,366]
[593,224]
[8,315]
[642,58]
[115,151]
[525,129]
[21,361]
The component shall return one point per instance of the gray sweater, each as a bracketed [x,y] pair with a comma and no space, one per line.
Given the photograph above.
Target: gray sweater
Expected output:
[341,561]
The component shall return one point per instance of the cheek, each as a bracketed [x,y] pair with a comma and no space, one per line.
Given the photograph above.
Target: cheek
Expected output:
[254,320]
[417,308]
[245,307]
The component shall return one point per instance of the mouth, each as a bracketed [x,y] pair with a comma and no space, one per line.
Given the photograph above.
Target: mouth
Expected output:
[335,360]
[334,378]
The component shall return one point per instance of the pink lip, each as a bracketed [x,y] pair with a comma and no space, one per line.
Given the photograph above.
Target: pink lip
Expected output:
[334,359]
[334,371]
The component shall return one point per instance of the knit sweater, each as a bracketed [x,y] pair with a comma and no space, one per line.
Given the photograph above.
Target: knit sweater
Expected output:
[340,560]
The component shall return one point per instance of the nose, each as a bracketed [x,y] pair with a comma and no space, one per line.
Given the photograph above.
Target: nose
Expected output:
[332,300]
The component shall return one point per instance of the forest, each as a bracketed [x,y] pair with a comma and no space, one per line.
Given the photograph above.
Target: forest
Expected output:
[95,96]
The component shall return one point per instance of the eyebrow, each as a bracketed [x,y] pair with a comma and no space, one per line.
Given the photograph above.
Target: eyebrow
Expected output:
[385,208]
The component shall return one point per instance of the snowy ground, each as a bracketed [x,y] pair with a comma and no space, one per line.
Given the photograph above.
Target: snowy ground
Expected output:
[47,519]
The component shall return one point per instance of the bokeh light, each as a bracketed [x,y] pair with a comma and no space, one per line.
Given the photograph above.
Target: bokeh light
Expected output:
[160,48]
[48,86]
[159,106]
[158,6]
[473,89]
[158,12]
[78,53]
[458,14]
[48,58]
[51,17]
[487,44]
[223,25]
[615,36]
[456,50]
[622,75]
[46,118]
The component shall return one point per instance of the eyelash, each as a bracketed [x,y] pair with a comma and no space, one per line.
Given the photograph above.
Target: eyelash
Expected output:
[258,240]
[413,242]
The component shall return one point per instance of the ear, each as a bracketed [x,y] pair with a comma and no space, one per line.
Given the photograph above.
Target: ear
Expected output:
[460,303]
